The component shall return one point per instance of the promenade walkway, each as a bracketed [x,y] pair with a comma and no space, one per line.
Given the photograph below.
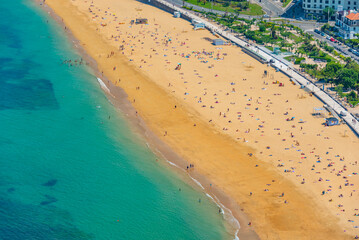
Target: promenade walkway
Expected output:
[286,69]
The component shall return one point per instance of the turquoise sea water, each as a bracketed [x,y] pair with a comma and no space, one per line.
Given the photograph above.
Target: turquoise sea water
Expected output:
[67,171]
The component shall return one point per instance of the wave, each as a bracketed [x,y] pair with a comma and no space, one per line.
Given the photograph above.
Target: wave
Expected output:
[227,213]
[103,85]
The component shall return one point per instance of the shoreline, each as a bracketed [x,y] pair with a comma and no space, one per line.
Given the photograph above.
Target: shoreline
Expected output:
[149,132]
[233,215]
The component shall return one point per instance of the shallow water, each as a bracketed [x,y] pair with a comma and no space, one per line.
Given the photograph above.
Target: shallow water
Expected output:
[67,169]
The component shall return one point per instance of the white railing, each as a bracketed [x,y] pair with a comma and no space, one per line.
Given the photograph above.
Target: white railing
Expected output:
[287,69]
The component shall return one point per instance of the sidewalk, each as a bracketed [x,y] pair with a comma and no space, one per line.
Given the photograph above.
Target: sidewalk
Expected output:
[276,63]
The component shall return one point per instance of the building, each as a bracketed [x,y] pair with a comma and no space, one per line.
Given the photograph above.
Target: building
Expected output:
[218,42]
[347,23]
[177,14]
[198,25]
[332,121]
[316,7]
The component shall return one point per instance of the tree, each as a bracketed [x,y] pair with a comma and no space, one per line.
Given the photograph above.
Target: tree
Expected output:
[331,70]
[250,34]
[237,11]
[328,12]
[351,65]
[339,88]
[352,96]
[325,27]
[262,28]
[273,33]
[348,61]
[347,77]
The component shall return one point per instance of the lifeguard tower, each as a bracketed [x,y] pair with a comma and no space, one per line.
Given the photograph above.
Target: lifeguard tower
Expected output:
[177,14]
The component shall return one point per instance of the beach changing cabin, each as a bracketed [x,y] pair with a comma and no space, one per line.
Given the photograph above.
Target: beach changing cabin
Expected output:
[141,21]
[332,121]
[218,42]
[198,25]
[177,14]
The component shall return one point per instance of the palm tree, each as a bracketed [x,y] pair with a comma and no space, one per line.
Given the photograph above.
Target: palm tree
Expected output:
[273,33]
[328,11]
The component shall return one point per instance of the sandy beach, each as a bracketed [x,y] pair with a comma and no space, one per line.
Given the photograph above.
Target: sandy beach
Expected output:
[251,135]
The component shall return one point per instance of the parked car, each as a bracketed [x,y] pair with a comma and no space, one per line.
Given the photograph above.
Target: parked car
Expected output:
[316,31]
[350,50]
[322,34]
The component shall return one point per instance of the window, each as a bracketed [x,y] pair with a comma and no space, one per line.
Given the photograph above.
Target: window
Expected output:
[315,6]
[326,1]
[339,2]
[349,3]
[308,5]
[320,6]
[355,3]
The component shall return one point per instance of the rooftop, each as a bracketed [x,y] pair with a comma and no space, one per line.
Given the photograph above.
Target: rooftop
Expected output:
[353,16]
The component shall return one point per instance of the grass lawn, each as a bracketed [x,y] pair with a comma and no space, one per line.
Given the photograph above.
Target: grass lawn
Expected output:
[286,2]
[294,58]
[289,58]
[253,9]
[296,38]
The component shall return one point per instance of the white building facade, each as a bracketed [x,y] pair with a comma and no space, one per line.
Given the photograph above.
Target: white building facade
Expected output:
[347,23]
[316,7]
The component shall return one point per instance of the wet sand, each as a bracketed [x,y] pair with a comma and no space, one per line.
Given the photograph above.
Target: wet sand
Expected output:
[233,166]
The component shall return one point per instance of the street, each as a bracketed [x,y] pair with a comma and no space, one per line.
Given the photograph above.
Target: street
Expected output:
[270,7]
[293,9]
[343,49]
